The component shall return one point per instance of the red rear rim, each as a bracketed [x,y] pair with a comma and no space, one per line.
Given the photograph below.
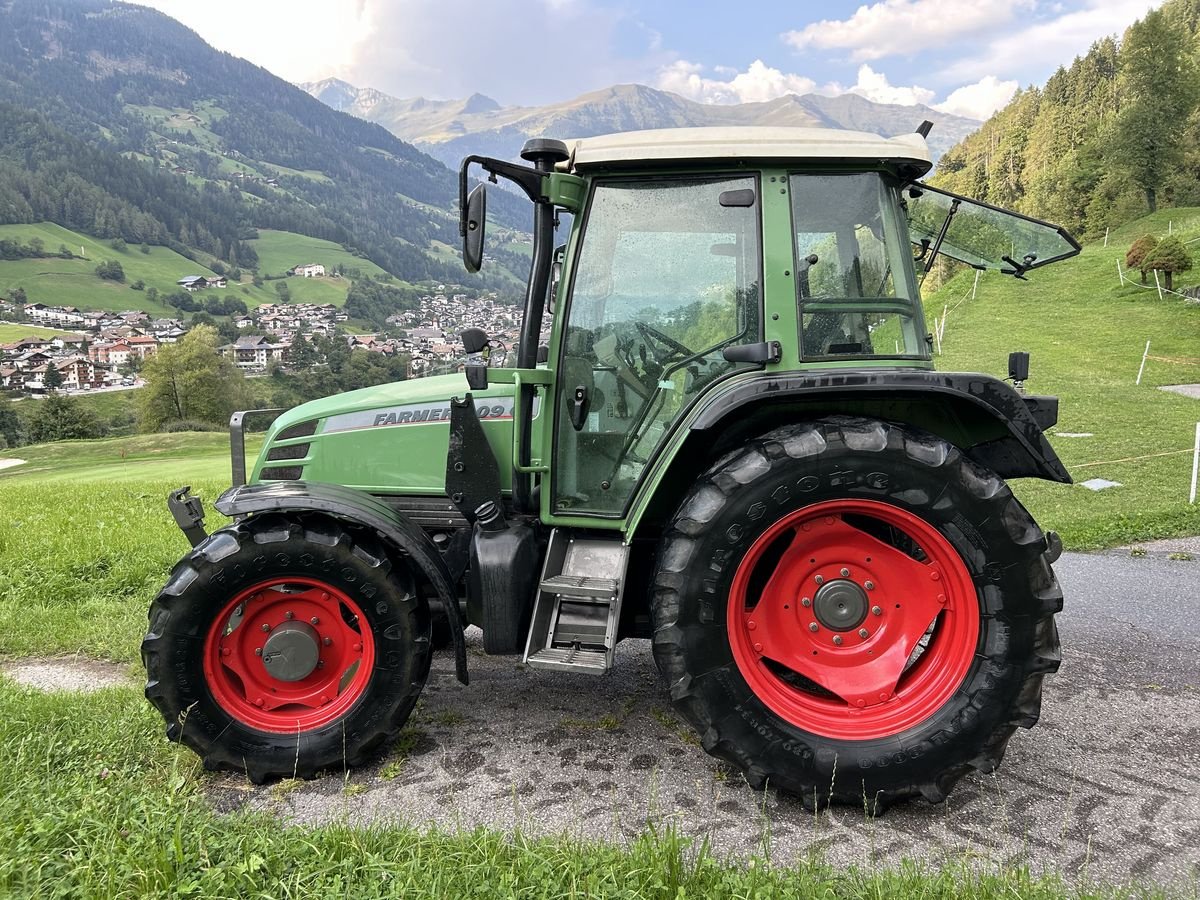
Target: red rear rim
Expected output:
[853,619]
[289,655]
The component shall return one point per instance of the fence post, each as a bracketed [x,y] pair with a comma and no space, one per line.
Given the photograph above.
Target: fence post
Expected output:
[1195,464]
[1142,368]
[976,284]
[1156,284]
[1120,274]
[1105,237]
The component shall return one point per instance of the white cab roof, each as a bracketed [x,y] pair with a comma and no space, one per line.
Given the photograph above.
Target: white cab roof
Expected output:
[746,143]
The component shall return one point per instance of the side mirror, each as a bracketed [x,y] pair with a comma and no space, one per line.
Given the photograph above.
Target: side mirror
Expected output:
[476,217]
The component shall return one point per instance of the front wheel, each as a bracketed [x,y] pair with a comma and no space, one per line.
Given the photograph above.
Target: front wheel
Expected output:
[855,612]
[286,646]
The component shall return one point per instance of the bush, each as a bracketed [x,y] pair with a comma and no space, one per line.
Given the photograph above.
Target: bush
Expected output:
[178,425]
[111,270]
[138,285]
[1169,256]
[1135,256]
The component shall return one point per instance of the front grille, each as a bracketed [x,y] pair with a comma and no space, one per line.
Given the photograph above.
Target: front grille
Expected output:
[294,451]
[303,429]
[283,473]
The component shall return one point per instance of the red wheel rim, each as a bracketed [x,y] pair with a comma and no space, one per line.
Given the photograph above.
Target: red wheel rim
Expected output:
[289,655]
[798,639]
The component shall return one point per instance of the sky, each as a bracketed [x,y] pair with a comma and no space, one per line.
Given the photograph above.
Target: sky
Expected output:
[965,57]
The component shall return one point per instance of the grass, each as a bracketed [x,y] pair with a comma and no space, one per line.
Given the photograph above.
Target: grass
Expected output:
[1086,335]
[10,332]
[278,251]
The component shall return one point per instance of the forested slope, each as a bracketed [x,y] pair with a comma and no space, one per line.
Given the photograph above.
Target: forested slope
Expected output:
[1108,138]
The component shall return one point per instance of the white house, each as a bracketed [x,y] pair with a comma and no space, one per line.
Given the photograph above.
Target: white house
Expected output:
[309,270]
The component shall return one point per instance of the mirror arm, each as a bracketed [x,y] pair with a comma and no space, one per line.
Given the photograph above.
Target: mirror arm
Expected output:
[527,179]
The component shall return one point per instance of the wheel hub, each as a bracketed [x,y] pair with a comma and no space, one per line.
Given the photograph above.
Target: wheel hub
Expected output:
[292,651]
[840,605]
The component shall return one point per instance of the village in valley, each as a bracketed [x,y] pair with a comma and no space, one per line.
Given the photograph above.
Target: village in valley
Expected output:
[95,350]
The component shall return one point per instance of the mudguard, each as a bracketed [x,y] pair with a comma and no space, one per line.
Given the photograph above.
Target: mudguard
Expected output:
[1016,446]
[349,505]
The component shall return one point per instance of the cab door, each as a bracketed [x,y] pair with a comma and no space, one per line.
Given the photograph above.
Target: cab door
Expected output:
[667,276]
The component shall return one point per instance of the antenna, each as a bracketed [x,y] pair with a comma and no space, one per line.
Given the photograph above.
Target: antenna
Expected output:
[924,128]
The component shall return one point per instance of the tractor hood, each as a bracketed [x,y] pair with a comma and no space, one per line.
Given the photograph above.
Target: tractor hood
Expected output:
[388,439]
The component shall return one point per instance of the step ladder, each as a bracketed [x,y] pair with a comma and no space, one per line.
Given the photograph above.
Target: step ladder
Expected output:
[578,606]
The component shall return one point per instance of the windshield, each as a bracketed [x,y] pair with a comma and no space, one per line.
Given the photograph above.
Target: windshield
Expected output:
[981,235]
[854,283]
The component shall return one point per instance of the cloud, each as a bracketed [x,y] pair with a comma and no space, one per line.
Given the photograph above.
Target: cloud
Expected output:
[1050,42]
[758,83]
[904,27]
[281,35]
[875,86]
[978,100]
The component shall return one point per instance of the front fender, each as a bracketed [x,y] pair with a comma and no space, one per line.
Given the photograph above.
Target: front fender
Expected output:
[357,508]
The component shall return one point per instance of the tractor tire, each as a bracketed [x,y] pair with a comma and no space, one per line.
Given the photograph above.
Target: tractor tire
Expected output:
[286,646]
[854,612]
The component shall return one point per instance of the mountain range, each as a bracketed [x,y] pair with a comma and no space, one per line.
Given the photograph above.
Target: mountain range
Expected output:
[452,129]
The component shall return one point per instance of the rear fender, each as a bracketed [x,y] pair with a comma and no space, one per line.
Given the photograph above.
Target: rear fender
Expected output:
[357,508]
[984,417]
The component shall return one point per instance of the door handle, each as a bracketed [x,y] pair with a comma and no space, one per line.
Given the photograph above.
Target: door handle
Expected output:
[580,401]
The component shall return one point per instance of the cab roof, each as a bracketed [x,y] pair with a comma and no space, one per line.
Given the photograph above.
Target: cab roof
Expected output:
[760,143]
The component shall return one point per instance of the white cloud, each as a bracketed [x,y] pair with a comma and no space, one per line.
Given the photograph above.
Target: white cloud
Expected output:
[296,41]
[758,83]
[875,86]
[978,100]
[904,27]
[1050,42]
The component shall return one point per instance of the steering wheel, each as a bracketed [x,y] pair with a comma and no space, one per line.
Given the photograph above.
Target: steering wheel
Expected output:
[655,339]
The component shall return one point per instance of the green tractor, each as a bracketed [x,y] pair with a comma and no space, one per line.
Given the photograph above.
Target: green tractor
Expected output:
[723,432]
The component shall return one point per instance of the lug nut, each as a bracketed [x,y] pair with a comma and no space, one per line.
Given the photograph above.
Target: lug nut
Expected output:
[869,585]
[758,648]
[324,699]
[876,611]
[258,651]
[814,626]
[357,647]
[751,625]
[314,621]
[845,572]
[266,627]
[805,602]
[863,633]
[837,639]
[225,651]
[327,640]
[941,598]
[935,575]
[819,580]
[258,701]
[289,615]
[860,703]
[320,663]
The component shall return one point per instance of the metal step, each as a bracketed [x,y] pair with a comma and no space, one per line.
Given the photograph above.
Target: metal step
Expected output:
[570,659]
[578,606]
[580,586]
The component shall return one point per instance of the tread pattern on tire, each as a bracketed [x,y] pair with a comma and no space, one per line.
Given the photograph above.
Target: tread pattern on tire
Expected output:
[1004,552]
[229,560]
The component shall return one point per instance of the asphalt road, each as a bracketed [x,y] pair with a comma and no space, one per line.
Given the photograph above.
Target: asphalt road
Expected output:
[1105,789]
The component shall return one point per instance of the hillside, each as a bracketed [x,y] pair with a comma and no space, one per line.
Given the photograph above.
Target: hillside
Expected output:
[452,129]
[116,121]
[74,282]
[1086,334]
[1108,138]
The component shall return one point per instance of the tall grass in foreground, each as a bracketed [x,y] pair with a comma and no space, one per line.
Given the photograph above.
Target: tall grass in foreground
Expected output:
[93,803]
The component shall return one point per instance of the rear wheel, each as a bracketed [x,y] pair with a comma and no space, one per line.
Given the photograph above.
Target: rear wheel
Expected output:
[284,647]
[854,611]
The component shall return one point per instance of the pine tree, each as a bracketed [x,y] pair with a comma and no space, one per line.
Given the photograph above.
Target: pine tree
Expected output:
[1170,257]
